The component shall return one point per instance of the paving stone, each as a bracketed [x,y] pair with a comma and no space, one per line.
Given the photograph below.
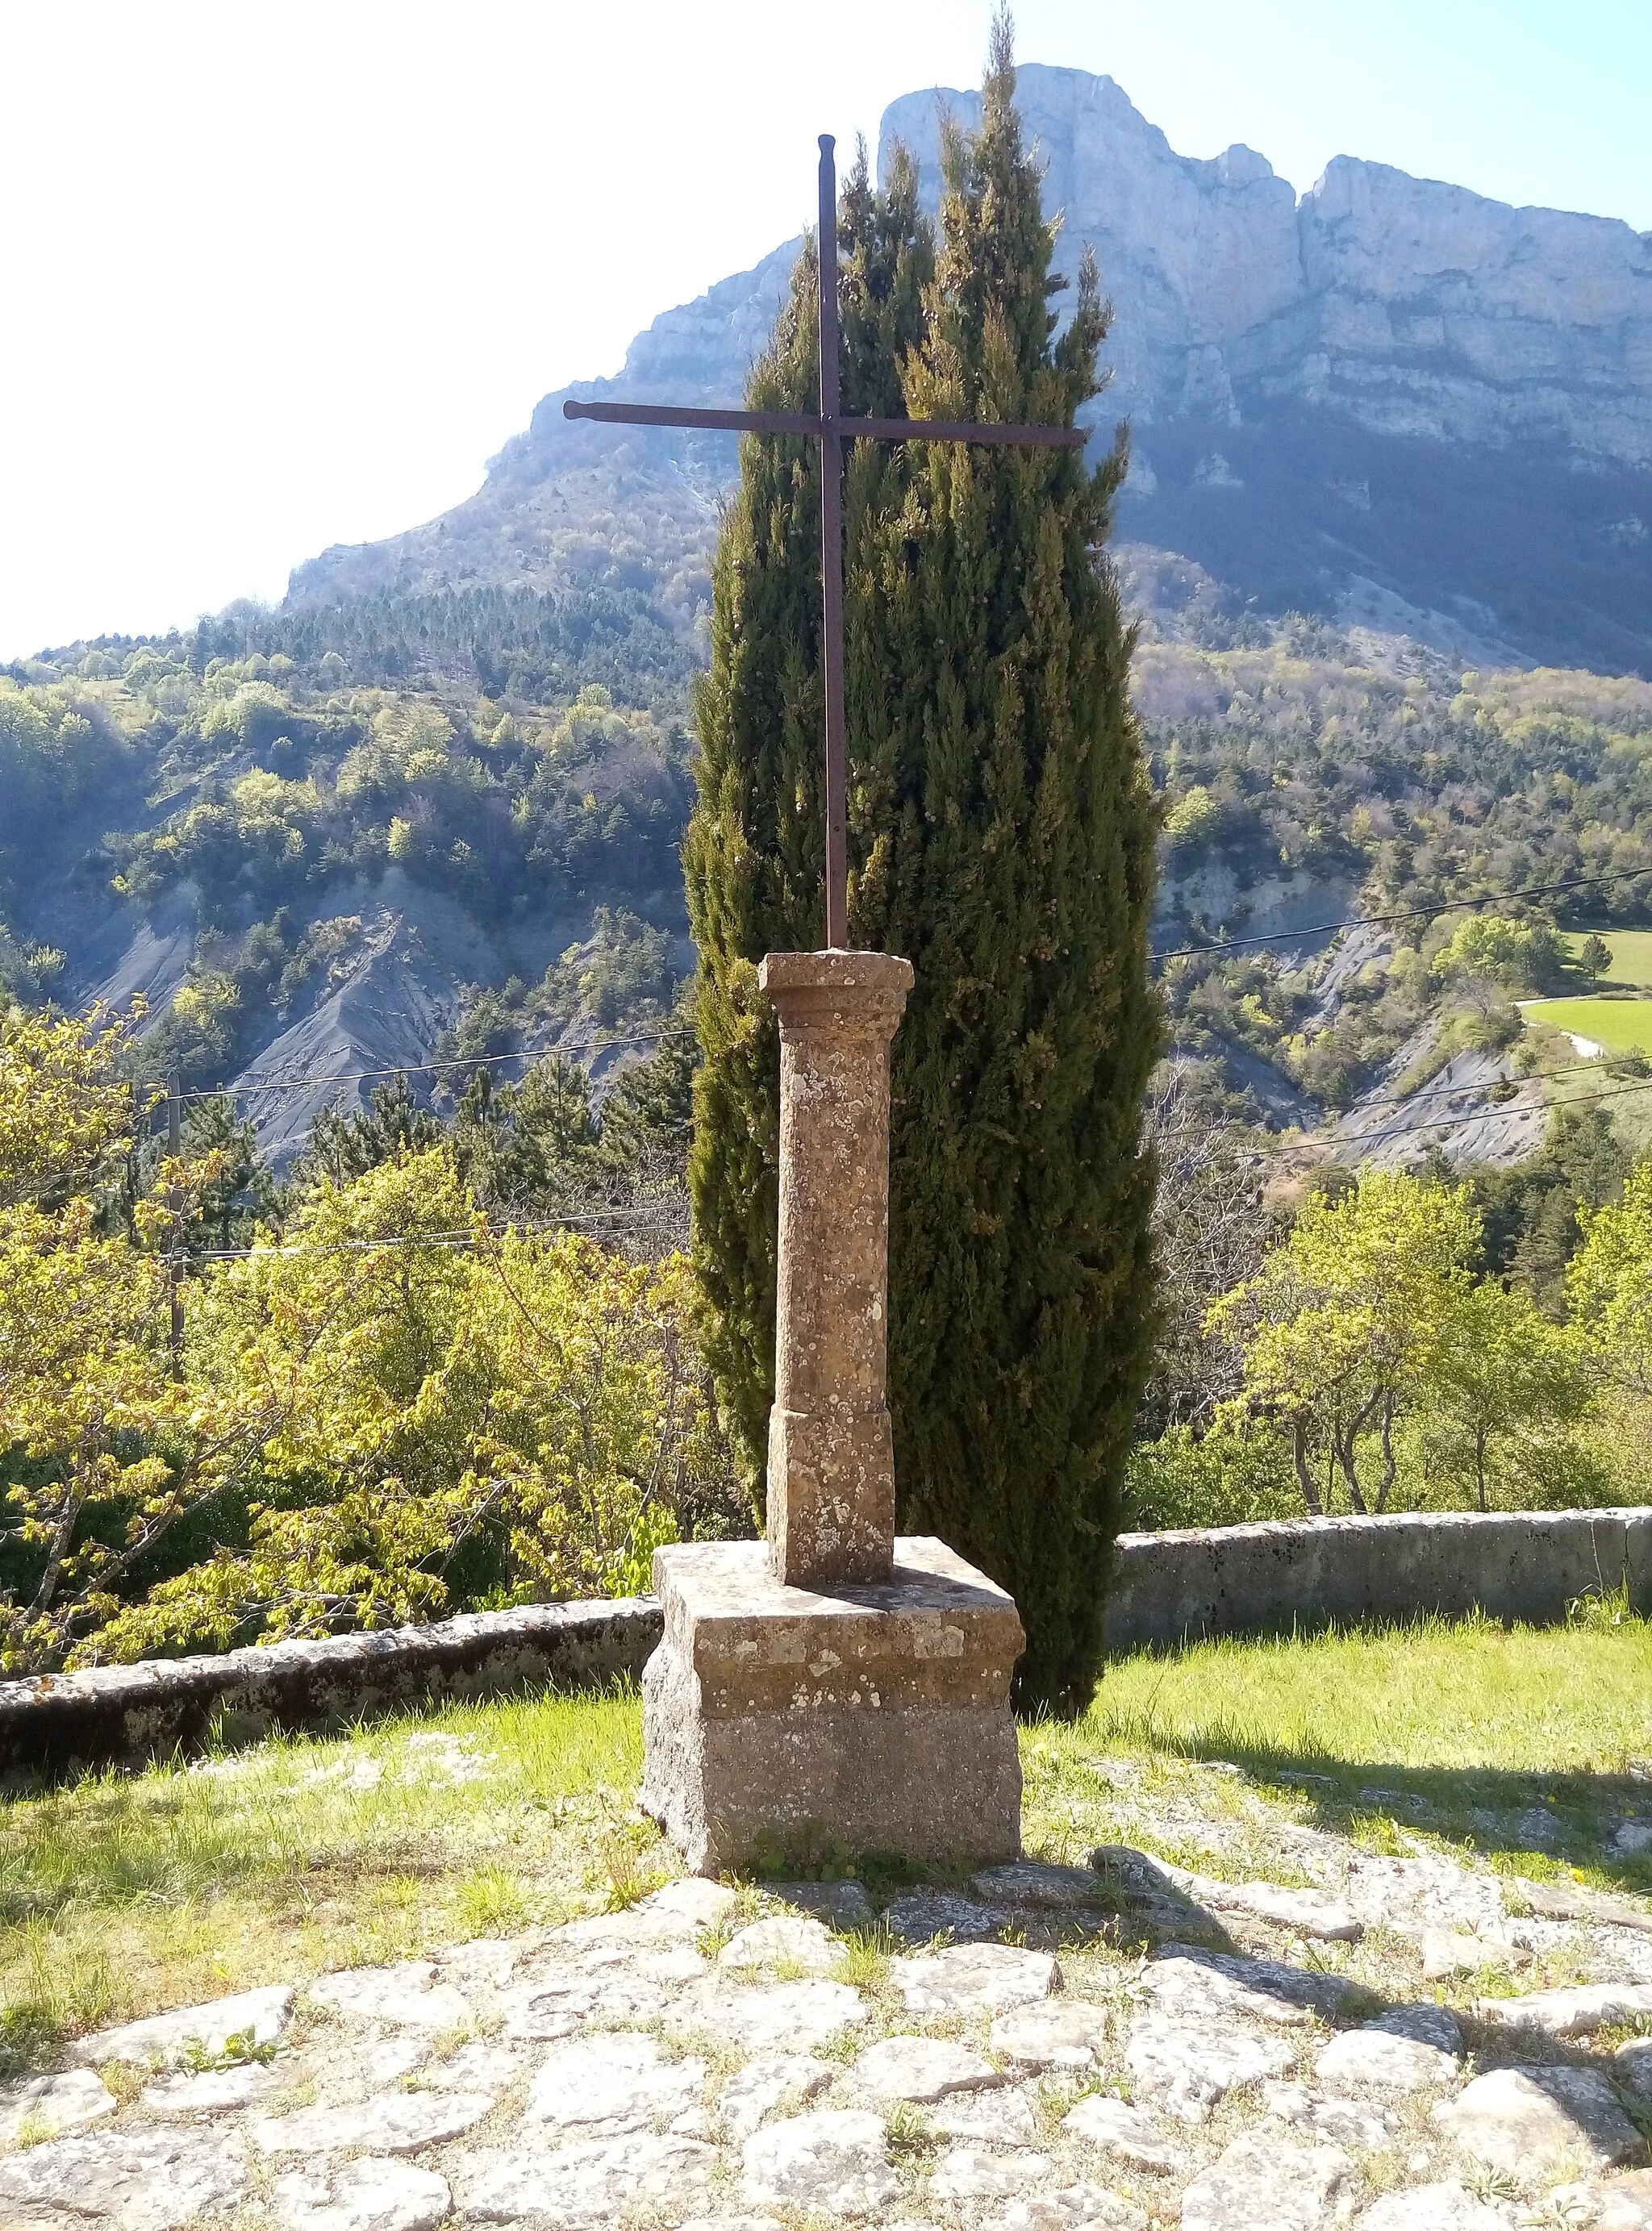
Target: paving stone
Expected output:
[832,2162]
[769,2016]
[1102,2120]
[1570,2013]
[1632,2066]
[1335,2122]
[578,2185]
[1376,2061]
[1573,1902]
[1434,2026]
[690,1902]
[1075,2208]
[1269,1982]
[166,2038]
[733,2223]
[1448,1952]
[406,1997]
[480,2066]
[774,2080]
[137,2180]
[616,2083]
[363,2196]
[555,2000]
[215,2091]
[52,2105]
[918,1916]
[1061,2033]
[923,2068]
[994,2119]
[1183,2067]
[1258,2186]
[1447,2206]
[1309,1912]
[974,1979]
[1625,2204]
[489,1961]
[393,2123]
[797,1939]
[967,2173]
[389,2058]
[1190,1986]
[1523,2118]
[1030,1882]
[843,1905]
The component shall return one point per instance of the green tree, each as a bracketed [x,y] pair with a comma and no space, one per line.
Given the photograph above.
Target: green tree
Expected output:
[1597,954]
[1343,1322]
[343,1146]
[1000,838]
[1493,950]
[1500,1376]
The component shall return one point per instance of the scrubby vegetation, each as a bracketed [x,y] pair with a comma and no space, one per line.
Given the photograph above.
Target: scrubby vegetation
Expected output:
[400,1405]
[464,741]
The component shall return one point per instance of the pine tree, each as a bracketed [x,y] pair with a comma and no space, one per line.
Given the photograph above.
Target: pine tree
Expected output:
[1000,837]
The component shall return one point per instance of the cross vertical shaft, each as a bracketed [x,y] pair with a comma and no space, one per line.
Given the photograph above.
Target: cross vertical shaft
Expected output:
[836,784]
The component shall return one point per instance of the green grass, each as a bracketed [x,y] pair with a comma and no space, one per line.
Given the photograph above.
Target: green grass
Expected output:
[1620,1026]
[1526,1744]
[1631,951]
[122,1894]
[127,1893]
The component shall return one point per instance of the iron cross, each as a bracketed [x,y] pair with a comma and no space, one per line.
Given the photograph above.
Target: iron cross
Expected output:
[830,429]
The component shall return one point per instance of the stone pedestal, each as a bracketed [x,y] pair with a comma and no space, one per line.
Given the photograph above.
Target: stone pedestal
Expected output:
[836,1689]
[783,1722]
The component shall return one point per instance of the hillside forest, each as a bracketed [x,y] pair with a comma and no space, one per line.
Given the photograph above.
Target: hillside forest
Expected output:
[445,1355]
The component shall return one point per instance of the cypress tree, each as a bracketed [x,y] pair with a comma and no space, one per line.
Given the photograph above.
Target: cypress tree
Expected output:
[1000,837]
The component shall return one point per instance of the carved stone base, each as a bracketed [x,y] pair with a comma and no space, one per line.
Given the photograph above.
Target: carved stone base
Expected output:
[782,1724]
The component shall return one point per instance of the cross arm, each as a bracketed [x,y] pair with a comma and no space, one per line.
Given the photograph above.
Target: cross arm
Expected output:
[980,433]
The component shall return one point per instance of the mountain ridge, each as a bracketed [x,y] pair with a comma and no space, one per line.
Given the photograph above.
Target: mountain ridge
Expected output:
[1388,399]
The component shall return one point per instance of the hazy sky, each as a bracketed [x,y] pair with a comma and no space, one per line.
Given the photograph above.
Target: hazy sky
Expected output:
[282,275]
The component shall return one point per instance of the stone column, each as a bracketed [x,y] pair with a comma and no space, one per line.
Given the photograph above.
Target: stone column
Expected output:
[831,1458]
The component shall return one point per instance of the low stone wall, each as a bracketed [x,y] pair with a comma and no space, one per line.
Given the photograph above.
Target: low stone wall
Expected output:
[57,1722]
[1171,1589]
[1521,1566]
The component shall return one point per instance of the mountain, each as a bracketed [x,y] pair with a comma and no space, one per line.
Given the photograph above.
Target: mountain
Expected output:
[1390,402]
[1391,484]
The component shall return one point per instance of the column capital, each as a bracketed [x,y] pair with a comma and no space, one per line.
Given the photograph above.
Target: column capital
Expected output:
[857,989]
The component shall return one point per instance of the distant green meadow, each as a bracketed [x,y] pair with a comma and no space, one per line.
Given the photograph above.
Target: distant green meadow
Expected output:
[1619,1026]
[1631,952]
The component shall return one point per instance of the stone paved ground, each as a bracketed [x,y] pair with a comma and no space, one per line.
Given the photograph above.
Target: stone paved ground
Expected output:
[1369,2029]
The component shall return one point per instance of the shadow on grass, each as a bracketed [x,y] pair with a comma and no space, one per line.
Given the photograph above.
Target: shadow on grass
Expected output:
[1552,1824]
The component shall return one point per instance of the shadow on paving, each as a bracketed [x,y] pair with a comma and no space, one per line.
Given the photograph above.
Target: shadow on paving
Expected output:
[1546,1821]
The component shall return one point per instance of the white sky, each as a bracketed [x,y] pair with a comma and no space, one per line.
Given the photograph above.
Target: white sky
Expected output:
[279,276]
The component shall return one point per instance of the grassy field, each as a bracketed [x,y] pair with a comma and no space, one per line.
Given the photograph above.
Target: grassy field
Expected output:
[124,1894]
[1620,1026]
[1631,951]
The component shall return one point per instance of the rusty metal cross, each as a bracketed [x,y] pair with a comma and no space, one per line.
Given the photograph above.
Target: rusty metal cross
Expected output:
[830,429]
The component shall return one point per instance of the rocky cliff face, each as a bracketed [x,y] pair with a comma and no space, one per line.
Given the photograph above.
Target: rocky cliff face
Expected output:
[1391,400]
[1405,306]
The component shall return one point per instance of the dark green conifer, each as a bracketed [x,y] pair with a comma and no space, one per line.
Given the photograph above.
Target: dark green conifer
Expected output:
[1000,837]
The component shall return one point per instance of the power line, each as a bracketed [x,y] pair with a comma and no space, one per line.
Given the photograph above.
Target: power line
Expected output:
[591,1225]
[249,1084]
[1485,1115]
[1481,1085]
[1405,914]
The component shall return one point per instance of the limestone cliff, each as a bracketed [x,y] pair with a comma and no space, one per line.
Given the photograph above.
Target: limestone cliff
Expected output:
[1391,399]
